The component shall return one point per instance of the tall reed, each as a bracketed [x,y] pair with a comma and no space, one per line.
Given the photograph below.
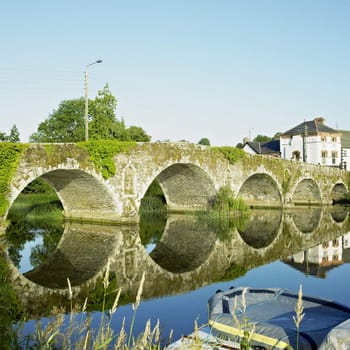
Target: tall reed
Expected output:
[74,330]
[299,313]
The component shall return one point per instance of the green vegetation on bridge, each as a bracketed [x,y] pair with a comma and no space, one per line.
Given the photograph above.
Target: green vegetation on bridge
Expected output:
[9,157]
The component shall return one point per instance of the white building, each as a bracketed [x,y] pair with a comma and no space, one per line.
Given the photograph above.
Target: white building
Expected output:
[312,142]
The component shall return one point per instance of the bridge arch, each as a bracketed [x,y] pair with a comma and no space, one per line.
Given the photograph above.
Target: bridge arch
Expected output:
[306,191]
[186,186]
[83,194]
[261,189]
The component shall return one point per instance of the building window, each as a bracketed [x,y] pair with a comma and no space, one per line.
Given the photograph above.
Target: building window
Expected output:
[325,245]
[334,157]
[335,243]
[323,138]
[334,139]
[324,156]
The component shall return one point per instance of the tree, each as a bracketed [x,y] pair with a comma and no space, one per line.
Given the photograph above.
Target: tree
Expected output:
[239,145]
[66,124]
[14,134]
[135,133]
[104,124]
[204,141]
[13,137]
[3,136]
[262,138]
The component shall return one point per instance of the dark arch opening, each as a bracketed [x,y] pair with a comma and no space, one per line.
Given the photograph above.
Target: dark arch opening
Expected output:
[83,196]
[307,192]
[185,187]
[338,193]
[261,190]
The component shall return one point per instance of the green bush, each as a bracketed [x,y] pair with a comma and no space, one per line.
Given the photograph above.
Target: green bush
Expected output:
[101,153]
[232,154]
[224,201]
[9,157]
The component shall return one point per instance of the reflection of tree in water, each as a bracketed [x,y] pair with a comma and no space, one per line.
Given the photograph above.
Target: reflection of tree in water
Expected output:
[36,211]
[262,227]
[18,235]
[10,305]
[224,225]
[151,228]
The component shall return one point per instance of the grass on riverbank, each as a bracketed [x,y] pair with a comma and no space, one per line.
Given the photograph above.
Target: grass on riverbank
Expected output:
[37,201]
[74,330]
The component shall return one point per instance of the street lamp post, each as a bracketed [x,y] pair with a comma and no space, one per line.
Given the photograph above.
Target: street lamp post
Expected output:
[86,115]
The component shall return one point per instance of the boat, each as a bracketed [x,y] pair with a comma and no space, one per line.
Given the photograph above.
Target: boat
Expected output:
[266,318]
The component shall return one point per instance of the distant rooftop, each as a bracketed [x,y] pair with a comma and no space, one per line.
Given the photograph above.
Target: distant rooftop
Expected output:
[269,147]
[311,127]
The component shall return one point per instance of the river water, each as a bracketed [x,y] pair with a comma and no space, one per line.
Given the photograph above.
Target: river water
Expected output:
[185,258]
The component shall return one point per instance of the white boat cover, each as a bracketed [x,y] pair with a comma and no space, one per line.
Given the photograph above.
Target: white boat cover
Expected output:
[267,317]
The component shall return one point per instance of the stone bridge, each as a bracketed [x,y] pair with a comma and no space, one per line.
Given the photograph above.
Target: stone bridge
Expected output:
[188,174]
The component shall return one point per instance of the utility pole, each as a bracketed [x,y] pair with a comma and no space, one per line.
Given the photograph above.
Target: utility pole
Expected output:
[86,85]
[304,143]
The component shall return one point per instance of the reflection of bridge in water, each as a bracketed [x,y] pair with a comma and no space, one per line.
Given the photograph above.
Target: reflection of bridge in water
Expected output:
[189,255]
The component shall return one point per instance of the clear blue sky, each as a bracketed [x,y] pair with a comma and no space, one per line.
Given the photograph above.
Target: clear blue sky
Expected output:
[181,69]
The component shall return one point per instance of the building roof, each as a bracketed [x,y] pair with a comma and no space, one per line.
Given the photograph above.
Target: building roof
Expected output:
[268,147]
[345,138]
[312,269]
[310,127]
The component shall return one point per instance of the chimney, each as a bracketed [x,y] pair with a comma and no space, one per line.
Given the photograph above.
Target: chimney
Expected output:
[320,120]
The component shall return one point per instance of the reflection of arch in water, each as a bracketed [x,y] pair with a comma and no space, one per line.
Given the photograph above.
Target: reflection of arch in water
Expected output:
[307,221]
[339,213]
[262,228]
[261,189]
[186,186]
[338,192]
[81,254]
[185,245]
[307,192]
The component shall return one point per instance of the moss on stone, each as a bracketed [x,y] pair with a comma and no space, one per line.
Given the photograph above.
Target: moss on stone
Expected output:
[50,150]
[101,153]
[10,154]
[232,154]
